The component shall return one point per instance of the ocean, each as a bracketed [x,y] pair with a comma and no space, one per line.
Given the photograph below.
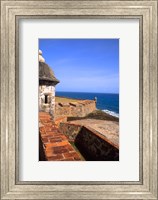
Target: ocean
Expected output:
[108,103]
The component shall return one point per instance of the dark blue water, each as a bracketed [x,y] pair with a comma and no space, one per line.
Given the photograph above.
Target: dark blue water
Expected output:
[109,103]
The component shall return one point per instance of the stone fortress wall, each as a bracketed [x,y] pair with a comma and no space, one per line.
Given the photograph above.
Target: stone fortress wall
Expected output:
[91,144]
[75,109]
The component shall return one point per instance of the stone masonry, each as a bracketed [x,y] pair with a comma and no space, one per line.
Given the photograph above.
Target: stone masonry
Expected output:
[97,140]
[80,108]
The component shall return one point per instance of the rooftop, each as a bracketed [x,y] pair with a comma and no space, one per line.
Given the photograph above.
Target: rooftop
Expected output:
[45,71]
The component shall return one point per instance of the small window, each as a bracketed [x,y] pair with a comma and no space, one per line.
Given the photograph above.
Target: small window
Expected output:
[46,98]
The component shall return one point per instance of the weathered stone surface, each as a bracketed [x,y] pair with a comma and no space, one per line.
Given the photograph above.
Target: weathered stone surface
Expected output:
[47,74]
[70,130]
[95,139]
[95,148]
[79,108]
[47,99]
[109,130]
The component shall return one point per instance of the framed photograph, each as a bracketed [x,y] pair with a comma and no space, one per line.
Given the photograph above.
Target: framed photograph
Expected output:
[78,115]
[78,99]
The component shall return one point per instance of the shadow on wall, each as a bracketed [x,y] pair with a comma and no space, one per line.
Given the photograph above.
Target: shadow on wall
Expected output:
[42,156]
[94,148]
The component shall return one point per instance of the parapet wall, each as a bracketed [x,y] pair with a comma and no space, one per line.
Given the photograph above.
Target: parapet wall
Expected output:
[75,109]
[92,145]
[70,130]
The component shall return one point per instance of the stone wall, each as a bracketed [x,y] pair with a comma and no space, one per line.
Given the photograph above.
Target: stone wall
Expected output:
[75,109]
[92,145]
[42,156]
[47,99]
[70,130]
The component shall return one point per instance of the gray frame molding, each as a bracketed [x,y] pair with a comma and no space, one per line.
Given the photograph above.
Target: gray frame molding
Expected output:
[146,12]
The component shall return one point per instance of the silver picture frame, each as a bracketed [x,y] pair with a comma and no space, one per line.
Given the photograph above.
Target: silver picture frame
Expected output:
[11,12]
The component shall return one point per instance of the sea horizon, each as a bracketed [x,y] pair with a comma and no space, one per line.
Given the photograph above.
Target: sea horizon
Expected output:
[90,92]
[107,102]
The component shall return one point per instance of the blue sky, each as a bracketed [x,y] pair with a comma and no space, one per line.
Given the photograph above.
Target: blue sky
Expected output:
[83,65]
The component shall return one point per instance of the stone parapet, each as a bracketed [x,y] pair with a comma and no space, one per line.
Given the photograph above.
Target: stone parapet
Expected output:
[75,109]
[97,140]
[94,147]
[70,130]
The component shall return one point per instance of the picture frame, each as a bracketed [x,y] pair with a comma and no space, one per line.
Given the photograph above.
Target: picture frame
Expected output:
[11,12]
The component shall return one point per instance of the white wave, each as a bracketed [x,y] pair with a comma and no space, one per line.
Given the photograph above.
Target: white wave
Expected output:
[111,113]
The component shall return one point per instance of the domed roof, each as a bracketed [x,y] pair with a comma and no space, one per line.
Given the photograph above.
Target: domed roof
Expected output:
[46,73]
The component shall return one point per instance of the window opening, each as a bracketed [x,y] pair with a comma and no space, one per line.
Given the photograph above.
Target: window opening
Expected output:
[46,98]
